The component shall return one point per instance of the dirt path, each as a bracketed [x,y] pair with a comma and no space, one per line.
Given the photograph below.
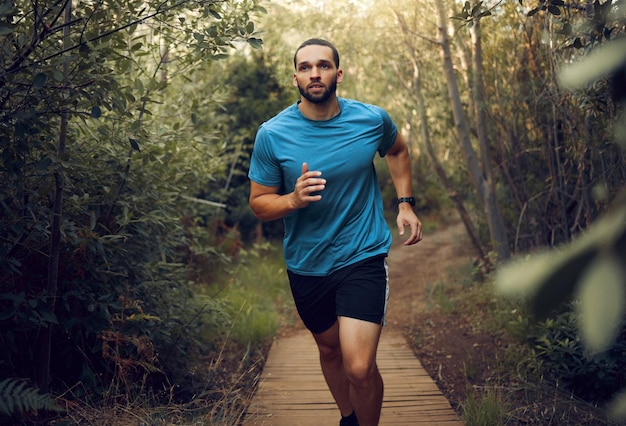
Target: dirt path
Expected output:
[413,271]
[448,346]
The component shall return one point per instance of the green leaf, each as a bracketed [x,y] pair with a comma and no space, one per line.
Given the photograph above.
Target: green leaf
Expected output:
[104,131]
[134,145]
[48,316]
[5,29]
[139,85]
[96,112]
[16,395]
[6,8]
[548,279]
[256,43]
[40,80]
[476,9]
[567,29]
[601,61]
[578,44]
[554,10]
[533,12]
[44,163]
[58,75]
[601,304]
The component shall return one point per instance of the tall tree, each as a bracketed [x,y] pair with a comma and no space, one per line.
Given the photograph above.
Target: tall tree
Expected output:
[480,172]
[55,225]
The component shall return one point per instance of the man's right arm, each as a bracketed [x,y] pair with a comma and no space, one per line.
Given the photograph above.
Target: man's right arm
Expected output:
[268,204]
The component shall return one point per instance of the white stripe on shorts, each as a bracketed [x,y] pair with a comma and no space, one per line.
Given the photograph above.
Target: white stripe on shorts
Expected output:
[386,293]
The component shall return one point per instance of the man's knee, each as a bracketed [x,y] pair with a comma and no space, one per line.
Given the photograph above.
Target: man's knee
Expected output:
[361,372]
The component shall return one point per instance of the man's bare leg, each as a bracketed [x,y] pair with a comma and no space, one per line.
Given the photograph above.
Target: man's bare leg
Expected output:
[359,343]
[331,361]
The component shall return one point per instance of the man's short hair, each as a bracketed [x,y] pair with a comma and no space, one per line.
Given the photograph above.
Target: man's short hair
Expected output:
[318,42]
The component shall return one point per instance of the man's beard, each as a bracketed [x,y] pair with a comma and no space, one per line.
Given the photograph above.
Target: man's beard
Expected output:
[319,99]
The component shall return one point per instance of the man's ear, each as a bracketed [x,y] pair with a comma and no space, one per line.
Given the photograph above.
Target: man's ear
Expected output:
[339,76]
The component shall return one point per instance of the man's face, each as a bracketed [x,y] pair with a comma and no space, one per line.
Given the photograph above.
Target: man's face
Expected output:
[316,74]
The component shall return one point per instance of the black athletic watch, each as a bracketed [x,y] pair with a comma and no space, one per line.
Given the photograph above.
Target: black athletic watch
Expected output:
[409,200]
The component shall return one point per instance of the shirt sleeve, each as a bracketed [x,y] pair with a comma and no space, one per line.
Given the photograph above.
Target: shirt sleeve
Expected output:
[390,132]
[264,167]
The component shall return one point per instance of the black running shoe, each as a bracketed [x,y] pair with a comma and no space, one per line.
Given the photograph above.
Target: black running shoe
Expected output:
[351,420]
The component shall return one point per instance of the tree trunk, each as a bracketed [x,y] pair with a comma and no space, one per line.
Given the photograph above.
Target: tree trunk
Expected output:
[497,230]
[55,234]
[453,194]
[482,186]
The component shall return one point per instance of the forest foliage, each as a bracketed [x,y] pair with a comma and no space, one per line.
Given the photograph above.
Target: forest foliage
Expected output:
[112,149]
[126,127]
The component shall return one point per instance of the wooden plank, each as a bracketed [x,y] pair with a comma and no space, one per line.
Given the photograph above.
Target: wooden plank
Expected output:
[292,390]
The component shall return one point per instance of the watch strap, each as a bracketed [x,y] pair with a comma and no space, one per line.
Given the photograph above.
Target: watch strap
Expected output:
[410,200]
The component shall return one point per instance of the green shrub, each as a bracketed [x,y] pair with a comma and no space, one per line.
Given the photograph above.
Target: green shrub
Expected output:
[562,358]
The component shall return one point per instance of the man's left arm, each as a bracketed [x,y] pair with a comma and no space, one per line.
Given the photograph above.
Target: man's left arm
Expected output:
[398,160]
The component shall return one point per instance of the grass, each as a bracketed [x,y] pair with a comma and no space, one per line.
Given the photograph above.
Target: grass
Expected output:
[254,292]
[486,409]
[438,298]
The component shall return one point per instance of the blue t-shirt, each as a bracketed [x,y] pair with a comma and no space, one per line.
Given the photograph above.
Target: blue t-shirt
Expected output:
[347,225]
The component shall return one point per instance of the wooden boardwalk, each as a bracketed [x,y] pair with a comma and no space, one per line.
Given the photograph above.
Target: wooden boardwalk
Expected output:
[292,390]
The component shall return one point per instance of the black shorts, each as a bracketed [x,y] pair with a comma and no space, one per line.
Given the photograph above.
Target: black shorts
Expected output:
[357,291]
